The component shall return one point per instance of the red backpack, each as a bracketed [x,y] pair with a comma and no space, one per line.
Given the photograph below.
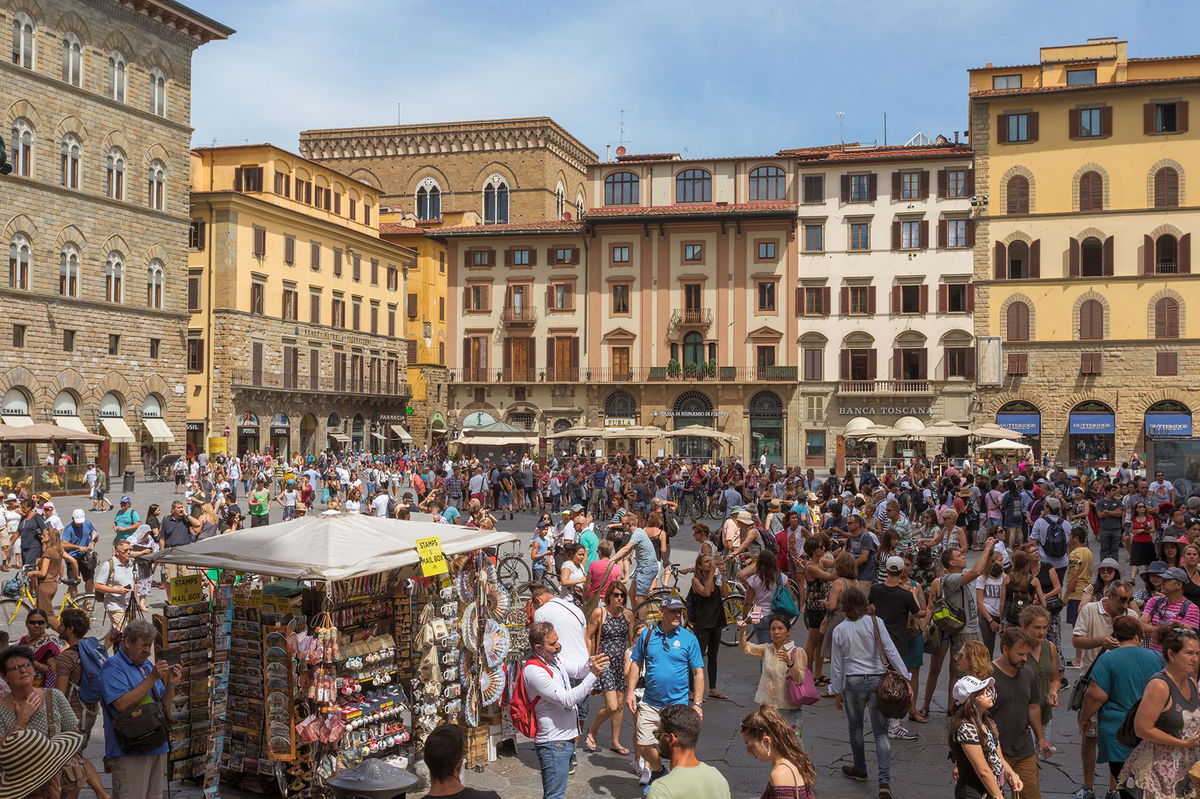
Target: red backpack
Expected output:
[521,707]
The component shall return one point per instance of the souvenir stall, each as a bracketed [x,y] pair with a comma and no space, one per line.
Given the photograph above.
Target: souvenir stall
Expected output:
[312,646]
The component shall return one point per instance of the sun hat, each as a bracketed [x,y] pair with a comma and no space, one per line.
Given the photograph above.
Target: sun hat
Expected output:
[1155,568]
[744,517]
[29,760]
[1110,563]
[49,505]
[968,685]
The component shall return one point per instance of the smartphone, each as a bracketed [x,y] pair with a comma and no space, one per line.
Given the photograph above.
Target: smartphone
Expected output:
[173,655]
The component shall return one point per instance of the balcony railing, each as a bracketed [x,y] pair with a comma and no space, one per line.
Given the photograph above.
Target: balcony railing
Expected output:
[692,317]
[525,315]
[885,387]
[698,373]
[318,384]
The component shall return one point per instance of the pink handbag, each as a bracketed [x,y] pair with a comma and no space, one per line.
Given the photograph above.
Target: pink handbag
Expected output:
[801,693]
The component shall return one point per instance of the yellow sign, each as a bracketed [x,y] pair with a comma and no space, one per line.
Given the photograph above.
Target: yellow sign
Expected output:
[182,590]
[217,445]
[280,604]
[433,562]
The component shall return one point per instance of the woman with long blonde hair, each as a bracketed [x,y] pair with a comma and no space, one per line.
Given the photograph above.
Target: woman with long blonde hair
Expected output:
[769,739]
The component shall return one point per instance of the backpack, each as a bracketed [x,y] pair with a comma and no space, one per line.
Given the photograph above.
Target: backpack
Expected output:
[1014,604]
[1055,542]
[1161,606]
[92,657]
[768,541]
[521,707]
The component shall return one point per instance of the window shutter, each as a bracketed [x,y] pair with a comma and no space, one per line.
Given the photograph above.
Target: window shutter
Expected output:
[1161,314]
[845,300]
[924,298]
[1073,123]
[1108,257]
[800,301]
[1073,258]
[1033,125]
[844,364]
[508,347]
[1002,128]
[237,178]
[1017,365]
[1184,255]
[549,297]
[872,364]
[970,297]
[574,357]
[845,188]
[970,364]
[1167,363]
[870,299]
[896,190]
[941,183]
[550,256]
[924,184]
[826,300]
[466,259]
[923,363]
[412,306]
[942,298]
[550,357]
[970,232]
[942,234]
[896,301]
[1035,259]
[508,256]
[1148,118]
[466,299]
[1001,257]
[897,363]
[1106,120]
[1181,114]
[969,184]
[895,235]
[1147,255]
[533,256]
[873,182]
[574,255]
[466,357]
[924,234]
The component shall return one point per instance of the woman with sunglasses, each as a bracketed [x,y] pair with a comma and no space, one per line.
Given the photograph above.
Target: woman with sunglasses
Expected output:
[1141,546]
[45,646]
[975,743]
[610,632]
[1108,572]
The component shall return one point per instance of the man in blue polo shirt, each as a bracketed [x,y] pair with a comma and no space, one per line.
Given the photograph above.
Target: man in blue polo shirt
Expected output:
[127,679]
[670,657]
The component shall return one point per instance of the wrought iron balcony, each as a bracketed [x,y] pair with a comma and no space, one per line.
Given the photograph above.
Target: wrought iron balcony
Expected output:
[679,373]
[518,317]
[692,317]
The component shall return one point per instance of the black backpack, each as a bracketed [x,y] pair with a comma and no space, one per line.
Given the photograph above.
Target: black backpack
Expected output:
[1055,542]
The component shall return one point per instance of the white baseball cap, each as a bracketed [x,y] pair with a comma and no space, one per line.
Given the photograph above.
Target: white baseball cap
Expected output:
[894,564]
[968,685]
[77,515]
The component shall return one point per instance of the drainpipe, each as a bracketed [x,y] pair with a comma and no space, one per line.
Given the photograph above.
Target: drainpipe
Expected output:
[209,346]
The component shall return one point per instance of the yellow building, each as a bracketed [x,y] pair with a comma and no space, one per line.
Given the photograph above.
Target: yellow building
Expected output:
[1083,248]
[297,337]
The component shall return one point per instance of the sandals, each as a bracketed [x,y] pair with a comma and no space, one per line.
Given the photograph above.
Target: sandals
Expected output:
[590,747]
[620,750]
[822,680]
[715,694]
[919,716]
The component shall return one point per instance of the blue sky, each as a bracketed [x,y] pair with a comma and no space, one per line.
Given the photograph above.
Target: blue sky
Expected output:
[700,77]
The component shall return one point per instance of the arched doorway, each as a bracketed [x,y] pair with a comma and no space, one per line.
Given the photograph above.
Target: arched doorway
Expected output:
[247,432]
[693,408]
[766,427]
[358,431]
[157,435]
[620,412]
[281,434]
[1168,419]
[1091,436]
[14,408]
[308,434]
[1024,418]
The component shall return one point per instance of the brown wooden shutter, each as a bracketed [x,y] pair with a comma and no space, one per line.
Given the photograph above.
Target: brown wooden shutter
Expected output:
[1073,123]
[1147,255]
[924,184]
[1184,255]
[574,255]
[466,358]
[508,256]
[844,300]
[412,306]
[1001,258]
[800,301]
[970,297]
[896,187]
[870,299]
[550,357]
[942,233]
[256,362]
[1106,120]
[1108,257]
[1181,116]
[1002,128]
[844,364]
[1161,316]
[896,235]
[970,373]
[237,178]
[924,298]
[941,183]
[533,256]
[970,232]
[924,234]
[575,358]
[872,363]
[1033,125]
[897,363]
[508,347]
[466,300]
[873,183]
[1035,259]
[845,188]
[1167,363]
[1073,258]
[942,298]
[923,363]
[549,297]
[826,300]
[896,301]
[411,354]
[1148,118]
[970,183]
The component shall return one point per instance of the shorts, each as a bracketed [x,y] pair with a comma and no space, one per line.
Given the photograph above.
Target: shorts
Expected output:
[813,618]
[180,480]
[642,578]
[645,729]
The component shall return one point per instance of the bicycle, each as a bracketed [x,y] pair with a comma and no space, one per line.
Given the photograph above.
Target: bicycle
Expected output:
[716,507]
[691,505]
[511,570]
[648,611]
[11,606]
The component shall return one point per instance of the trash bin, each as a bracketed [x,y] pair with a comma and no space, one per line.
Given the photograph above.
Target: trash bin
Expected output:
[373,779]
[127,482]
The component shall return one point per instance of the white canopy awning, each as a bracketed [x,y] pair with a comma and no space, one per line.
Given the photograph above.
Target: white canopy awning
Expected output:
[857,424]
[159,431]
[334,547]
[71,423]
[17,419]
[340,437]
[401,433]
[118,432]
[378,435]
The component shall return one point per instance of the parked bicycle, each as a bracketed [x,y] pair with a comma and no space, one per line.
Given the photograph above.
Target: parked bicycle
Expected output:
[18,598]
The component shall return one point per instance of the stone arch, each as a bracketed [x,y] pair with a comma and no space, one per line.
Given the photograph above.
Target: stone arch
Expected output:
[1143,402]
[1157,165]
[813,339]
[430,171]
[117,41]
[993,404]
[67,380]
[858,339]
[29,7]
[113,382]
[117,139]
[70,234]
[21,377]
[956,338]
[494,167]
[1108,397]
[74,23]
[20,224]
[1013,172]
[1165,294]
[364,175]
[23,109]
[157,58]
[909,338]
[157,152]
[154,384]
[157,251]
[1075,308]
[116,242]
[1091,232]
[1017,235]
[1009,300]
[1079,173]
[1164,229]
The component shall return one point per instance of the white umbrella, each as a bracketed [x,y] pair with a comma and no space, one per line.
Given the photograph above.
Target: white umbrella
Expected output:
[993,430]
[943,429]
[878,431]
[1004,444]
[578,432]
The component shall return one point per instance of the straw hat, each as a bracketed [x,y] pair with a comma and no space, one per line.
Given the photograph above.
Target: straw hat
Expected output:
[29,760]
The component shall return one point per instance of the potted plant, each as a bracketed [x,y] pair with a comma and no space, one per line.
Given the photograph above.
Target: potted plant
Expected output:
[710,369]
[672,368]
[542,376]
[690,369]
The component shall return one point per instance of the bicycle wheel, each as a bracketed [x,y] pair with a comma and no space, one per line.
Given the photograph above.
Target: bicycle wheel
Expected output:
[11,609]
[513,571]
[80,602]
[649,610]
[694,510]
[714,508]
[734,609]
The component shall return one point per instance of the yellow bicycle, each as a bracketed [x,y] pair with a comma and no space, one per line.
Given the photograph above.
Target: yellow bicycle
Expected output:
[18,596]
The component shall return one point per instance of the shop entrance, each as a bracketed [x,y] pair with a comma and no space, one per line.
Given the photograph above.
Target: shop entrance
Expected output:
[281,436]
[1091,436]
[308,434]
[766,427]
[247,432]
[1168,419]
[1024,418]
[693,407]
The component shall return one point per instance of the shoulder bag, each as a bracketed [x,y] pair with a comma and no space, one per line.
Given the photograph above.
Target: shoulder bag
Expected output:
[141,728]
[1079,689]
[947,618]
[894,692]
[800,693]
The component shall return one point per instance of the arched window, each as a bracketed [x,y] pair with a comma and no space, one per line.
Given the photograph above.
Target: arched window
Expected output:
[1091,257]
[1166,188]
[117,75]
[114,174]
[1091,321]
[620,405]
[693,186]
[21,148]
[1018,260]
[429,200]
[765,405]
[495,201]
[1018,321]
[72,71]
[693,348]
[20,254]
[22,42]
[158,92]
[621,188]
[156,181]
[1166,318]
[1018,195]
[579,206]
[1091,192]
[114,277]
[68,271]
[1166,254]
[68,171]
[154,284]
[560,201]
[767,183]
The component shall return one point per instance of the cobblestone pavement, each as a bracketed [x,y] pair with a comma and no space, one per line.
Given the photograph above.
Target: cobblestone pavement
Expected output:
[919,768]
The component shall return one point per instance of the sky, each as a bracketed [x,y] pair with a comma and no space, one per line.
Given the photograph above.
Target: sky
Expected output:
[698,77]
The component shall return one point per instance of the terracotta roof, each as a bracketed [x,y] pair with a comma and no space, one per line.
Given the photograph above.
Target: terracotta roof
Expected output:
[1168,58]
[690,209]
[546,226]
[647,157]
[1085,87]
[852,153]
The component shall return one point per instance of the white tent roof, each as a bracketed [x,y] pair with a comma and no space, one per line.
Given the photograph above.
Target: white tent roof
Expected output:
[334,547]
[1004,443]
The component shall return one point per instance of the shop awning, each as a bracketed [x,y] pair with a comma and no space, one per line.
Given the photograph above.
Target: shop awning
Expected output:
[17,419]
[401,433]
[1165,425]
[1092,424]
[159,431]
[327,548]
[71,423]
[379,436]
[340,437]
[1029,424]
[45,432]
[118,432]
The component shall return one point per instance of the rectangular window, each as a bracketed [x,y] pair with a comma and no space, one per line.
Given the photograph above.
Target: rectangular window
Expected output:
[860,188]
[693,252]
[195,355]
[193,291]
[563,255]
[910,299]
[691,296]
[315,256]
[196,237]
[356,313]
[1018,364]
[260,242]
[860,236]
[477,298]
[814,408]
[619,360]
[1006,82]
[337,311]
[248,178]
[391,320]
[291,303]
[374,318]
[314,307]
[620,255]
[289,250]
[860,300]
[412,302]
[1166,118]
[1166,363]
[814,363]
[814,188]
[356,268]
[562,296]
[258,293]
[766,251]
[814,301]
[956,298]
[814,444]
[481,258]
[68,341]
[910,235]
[19,336]
[958,361]
[441,309]
[620,298]
[114,344]
[766,295]
[814,238]
[1081,77]
[283,183]
[956,233]
[956,183]
[337,262]
[1018,127]
[910,185]
[442,262]
[374,271]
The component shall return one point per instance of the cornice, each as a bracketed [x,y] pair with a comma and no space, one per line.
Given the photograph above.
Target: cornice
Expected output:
[161,21]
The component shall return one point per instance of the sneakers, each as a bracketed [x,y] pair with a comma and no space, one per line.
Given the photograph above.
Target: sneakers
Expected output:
[574,765]
[1085,792]
[849,772]
[885,791]
[643,772]
[900,733]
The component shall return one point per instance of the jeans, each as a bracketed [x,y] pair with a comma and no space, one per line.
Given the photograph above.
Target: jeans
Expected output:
[554,757]
[1110,544]
[860,694]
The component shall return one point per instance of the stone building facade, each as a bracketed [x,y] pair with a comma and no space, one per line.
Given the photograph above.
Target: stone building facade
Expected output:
[96,101]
